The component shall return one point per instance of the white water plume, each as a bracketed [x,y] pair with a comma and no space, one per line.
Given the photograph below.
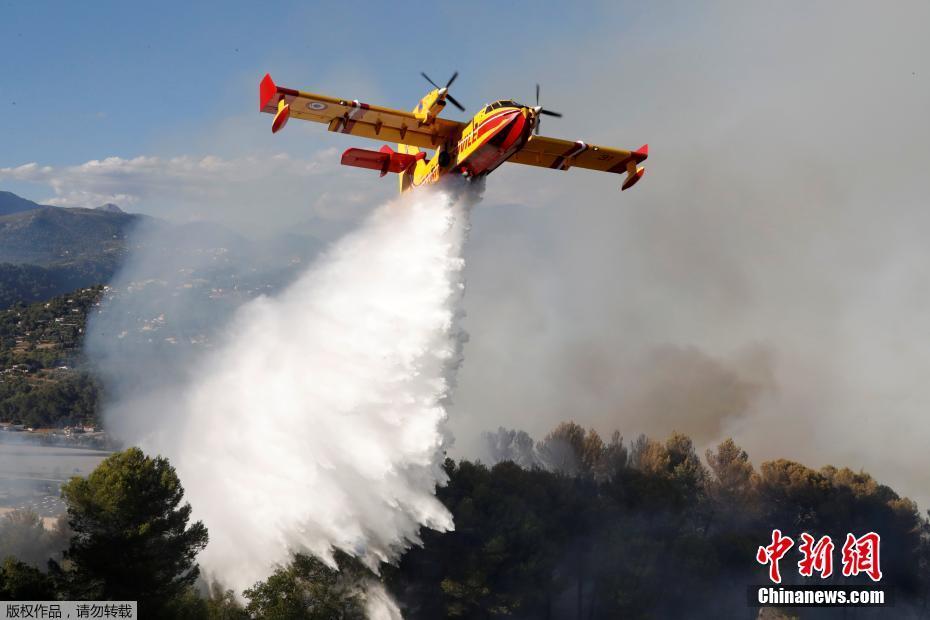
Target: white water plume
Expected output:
[317,423]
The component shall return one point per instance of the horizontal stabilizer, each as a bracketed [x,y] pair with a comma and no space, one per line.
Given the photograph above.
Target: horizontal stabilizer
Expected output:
[384,160]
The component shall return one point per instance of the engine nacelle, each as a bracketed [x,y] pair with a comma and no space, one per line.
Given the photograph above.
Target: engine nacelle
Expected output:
[429,107]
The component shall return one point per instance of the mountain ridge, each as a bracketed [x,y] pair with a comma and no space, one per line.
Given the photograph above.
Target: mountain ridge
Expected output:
[10,203]
[47,250]
[47,235]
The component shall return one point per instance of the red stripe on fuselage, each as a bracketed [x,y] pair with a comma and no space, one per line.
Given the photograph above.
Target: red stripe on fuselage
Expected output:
[493,122]
[487,157]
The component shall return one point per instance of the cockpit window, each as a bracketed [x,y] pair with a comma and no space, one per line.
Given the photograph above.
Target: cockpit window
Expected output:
[506,103]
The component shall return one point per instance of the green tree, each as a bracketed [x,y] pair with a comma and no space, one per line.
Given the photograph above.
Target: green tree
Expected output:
[571,450]
[733,475]
[131,537]
[222,604]
[19,581]
[308,589]
[501,560]
[616,455]
[562,449]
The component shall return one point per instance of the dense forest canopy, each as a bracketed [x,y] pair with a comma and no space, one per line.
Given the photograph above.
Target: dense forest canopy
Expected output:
[641,530]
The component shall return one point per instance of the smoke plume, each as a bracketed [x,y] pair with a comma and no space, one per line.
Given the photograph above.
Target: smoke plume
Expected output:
[316,420]
[760,282]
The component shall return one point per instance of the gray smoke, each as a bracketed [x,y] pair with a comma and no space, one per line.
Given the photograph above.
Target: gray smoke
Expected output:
[766,279]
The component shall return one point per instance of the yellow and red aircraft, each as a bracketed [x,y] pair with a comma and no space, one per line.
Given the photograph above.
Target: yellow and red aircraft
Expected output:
[502,131]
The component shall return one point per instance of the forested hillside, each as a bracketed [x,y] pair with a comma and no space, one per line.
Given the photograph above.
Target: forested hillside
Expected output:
[43,381]
[646,530]
[31,283]
[53,235]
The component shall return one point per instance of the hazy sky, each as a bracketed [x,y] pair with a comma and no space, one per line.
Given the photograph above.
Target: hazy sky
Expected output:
[769,278]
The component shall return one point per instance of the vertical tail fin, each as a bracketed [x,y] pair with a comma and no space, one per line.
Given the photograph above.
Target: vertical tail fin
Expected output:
[406,177]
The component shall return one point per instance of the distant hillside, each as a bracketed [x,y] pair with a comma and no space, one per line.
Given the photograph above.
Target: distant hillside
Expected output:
[53,236]
[47,251]
[30,283]
[11,203]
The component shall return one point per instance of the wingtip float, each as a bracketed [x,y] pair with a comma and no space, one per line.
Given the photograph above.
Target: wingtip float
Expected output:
[500,132]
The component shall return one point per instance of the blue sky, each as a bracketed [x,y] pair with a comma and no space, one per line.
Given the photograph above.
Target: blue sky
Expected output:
[83,82]
[91,80]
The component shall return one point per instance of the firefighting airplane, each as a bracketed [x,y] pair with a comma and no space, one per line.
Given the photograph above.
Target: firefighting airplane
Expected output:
[502,131]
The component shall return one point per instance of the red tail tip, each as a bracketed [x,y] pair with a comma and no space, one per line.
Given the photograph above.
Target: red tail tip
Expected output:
[266,91]
[642,152]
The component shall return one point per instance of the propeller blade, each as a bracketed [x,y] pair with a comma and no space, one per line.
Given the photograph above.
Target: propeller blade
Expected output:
[452,79]
[538,123]
[452,100]
[537,94]
[429,80]
[550,113]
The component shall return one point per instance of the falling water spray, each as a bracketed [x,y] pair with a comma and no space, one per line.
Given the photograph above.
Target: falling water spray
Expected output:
[317,422]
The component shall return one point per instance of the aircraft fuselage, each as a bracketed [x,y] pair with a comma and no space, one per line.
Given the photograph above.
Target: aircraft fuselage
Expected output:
[494,134]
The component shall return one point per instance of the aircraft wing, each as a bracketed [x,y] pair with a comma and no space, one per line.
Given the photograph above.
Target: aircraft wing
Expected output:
[353,117]
[563,154]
